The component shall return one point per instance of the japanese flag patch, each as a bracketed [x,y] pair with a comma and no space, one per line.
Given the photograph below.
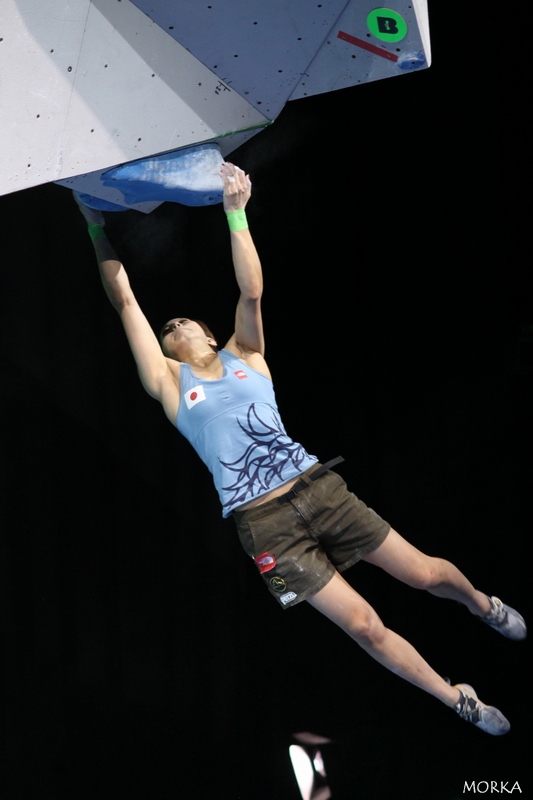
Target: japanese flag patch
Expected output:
[194,396]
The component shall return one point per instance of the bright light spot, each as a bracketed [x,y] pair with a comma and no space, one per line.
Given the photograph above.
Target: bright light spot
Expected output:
[303,769]
[319,764]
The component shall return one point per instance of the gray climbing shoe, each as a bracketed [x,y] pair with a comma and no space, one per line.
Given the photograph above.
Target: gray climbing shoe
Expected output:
[505,620]
[487,718]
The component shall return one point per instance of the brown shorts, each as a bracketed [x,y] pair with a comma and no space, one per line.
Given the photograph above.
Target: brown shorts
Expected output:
[298,544]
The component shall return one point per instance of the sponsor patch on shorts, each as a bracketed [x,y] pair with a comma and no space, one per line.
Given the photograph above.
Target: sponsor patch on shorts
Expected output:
[265,562]
[277,583]
[286,598]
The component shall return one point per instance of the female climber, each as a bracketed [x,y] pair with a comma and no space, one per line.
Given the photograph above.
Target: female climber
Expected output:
[295,517]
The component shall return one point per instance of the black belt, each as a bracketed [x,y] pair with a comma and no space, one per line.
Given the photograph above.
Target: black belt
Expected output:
[299,485]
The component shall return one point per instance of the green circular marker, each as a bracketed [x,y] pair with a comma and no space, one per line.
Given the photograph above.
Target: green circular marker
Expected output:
[386,25]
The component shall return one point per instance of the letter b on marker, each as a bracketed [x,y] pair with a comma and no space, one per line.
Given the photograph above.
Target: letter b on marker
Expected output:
[386,24]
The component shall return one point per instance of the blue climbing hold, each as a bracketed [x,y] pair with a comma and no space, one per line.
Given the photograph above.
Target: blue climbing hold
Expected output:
[411,61]
[189,176]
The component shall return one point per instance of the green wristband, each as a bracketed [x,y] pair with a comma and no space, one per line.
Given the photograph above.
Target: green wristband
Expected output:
[95,231]
[237,220]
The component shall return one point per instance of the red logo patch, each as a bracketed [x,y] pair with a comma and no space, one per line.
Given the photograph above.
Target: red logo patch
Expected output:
[265,562]
[240,374]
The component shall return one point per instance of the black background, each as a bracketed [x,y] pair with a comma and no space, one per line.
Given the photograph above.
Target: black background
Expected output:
[142,657]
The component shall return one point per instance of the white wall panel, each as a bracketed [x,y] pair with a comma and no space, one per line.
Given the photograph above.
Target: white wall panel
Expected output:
[89,85]
[38,56]
[260,47]
[343,60]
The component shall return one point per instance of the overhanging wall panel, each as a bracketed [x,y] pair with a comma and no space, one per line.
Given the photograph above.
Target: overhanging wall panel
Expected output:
[38,55]
[260,48]
[343,60]
[109,85]
[89,85]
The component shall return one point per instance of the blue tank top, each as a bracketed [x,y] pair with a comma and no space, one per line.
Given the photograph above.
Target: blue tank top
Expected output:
[234,425]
